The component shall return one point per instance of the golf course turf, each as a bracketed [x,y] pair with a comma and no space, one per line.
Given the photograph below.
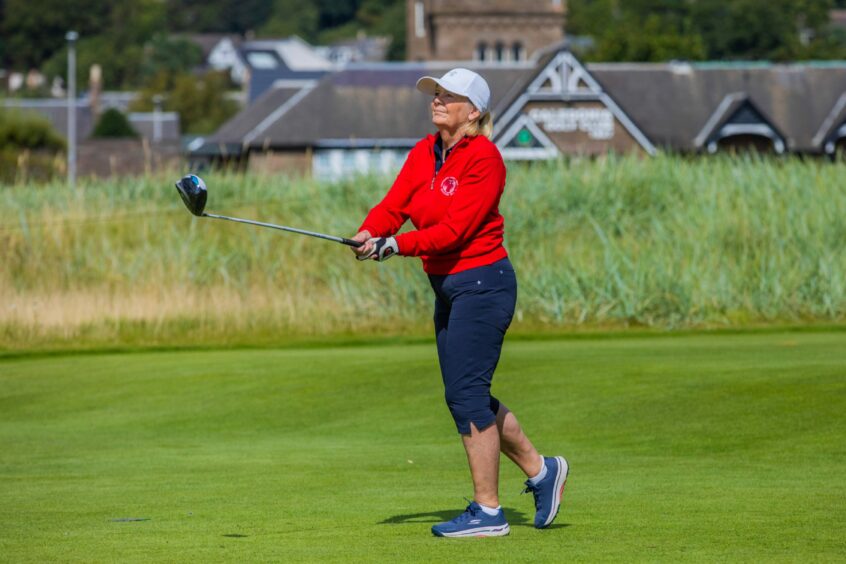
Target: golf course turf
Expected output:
[688,448]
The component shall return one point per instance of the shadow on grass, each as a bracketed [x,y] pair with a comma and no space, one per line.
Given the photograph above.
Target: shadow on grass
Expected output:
[515,518]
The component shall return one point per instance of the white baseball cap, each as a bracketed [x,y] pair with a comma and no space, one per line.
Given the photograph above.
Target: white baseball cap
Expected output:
[463,82]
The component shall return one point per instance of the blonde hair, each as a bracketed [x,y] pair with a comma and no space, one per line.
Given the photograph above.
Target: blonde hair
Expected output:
[482,125]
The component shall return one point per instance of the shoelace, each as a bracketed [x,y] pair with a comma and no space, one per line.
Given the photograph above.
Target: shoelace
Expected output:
[533,490]
[469,512]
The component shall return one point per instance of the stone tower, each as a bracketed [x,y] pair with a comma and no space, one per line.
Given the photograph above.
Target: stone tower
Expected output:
[481,30]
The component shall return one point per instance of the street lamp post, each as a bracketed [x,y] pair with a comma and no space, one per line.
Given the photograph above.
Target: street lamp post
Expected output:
[71,38]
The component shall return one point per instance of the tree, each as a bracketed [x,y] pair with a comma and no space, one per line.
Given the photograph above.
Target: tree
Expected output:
[218,16]
[636,30]
[200,100]
[33,30]
[387,18]
[334,13]
[658,30]
[113,124]
[292,17]
[759,29]
[121,64]
[112,34]
[165,53]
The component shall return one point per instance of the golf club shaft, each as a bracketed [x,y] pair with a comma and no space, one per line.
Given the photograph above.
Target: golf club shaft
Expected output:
[341,240]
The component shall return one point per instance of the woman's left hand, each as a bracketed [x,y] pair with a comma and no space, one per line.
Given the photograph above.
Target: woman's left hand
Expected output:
[363,252]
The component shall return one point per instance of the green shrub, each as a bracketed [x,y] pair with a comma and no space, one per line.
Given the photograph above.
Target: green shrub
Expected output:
[25,130]
[113,124]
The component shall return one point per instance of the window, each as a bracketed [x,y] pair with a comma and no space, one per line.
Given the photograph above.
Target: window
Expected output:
[517,51]
[419,24]
[500,51]
[262,60]
[481,51]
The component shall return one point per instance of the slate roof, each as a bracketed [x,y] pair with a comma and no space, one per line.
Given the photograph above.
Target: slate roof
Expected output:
[378,104]
[240,125]
[362,104]
[671,103]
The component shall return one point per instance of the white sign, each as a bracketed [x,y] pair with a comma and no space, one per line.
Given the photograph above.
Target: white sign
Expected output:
[597,123]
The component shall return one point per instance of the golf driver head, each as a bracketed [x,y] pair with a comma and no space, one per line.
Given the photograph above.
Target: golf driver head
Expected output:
[192,189]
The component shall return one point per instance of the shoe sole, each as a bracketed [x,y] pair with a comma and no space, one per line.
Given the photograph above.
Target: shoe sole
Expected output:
[560,482]
[500,531]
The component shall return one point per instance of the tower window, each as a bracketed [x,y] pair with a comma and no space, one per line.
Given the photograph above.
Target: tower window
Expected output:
[482,51]
[517,53]
[419,27]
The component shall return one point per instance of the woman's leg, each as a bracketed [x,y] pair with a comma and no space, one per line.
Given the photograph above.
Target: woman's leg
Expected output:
[483,456]
[472,313]
[515,444]
[483,448]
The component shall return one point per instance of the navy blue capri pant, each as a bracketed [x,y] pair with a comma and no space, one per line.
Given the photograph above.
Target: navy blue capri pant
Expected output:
[473,310]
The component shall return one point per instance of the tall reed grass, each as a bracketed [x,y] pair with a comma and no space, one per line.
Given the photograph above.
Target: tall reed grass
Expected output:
[665,242]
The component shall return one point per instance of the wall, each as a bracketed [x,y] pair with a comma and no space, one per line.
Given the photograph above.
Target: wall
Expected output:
[454,29]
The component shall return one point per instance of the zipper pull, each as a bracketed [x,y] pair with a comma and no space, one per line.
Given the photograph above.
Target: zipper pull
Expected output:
[432,185]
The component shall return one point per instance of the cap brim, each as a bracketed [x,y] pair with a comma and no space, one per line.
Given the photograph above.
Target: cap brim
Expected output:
[428,85]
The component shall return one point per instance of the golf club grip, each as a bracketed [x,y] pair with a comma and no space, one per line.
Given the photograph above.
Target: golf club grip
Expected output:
[352,243]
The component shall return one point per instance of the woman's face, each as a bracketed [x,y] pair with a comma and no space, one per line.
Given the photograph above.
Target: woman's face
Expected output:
[451,111]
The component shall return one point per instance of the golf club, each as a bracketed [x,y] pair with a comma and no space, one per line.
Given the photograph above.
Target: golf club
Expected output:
[193,191]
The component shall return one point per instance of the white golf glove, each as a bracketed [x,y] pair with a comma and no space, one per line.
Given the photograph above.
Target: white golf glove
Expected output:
[383,248]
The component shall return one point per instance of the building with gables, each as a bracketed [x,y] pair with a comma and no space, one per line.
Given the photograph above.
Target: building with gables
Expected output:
[365,118]
[481,30]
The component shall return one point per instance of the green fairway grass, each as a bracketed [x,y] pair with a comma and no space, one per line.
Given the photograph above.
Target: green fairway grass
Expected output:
[694,448]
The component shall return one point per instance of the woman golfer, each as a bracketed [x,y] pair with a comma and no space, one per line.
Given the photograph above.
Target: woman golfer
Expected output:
[450,187]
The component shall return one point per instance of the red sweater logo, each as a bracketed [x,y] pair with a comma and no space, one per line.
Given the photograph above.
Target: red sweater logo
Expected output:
[449,186]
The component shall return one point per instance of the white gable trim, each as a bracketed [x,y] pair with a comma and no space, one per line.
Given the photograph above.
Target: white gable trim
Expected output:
[831,145]
[820,137]
[757,129]
[564,73]
[548,151]
[277,114]
[710,135]
[710,126]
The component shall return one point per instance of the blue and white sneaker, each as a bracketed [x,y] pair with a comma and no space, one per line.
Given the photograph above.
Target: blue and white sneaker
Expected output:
[549,491]
[473,523]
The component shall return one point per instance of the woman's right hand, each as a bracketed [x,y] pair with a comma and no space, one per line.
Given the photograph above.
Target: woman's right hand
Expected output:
[366,249]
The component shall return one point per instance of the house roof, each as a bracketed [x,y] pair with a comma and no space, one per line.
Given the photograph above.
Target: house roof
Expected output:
[673,102]
[296,54]
[274,61]
[376,102]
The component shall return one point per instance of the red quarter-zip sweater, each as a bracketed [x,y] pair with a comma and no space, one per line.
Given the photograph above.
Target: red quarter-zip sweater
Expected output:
[456,211]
